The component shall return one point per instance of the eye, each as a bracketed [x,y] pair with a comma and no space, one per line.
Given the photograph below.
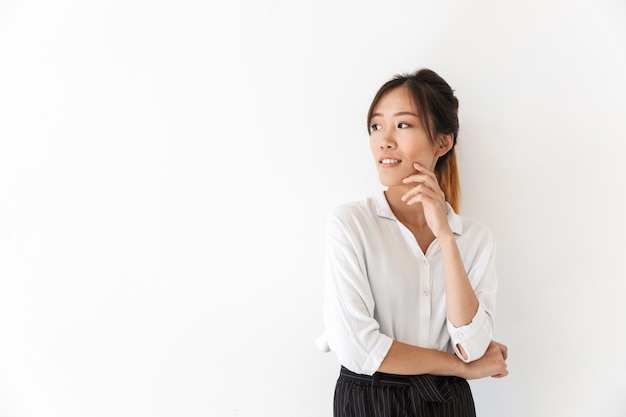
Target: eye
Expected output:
[375,126]
[402,125]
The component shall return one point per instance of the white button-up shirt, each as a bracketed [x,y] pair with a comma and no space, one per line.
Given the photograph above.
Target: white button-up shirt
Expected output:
[381,287]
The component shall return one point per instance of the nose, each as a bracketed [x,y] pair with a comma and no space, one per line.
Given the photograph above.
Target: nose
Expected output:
[387,141]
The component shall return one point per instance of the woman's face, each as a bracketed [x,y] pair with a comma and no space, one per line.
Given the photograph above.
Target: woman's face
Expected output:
[397,138]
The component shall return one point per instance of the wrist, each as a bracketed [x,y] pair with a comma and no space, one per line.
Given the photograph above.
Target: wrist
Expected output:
[446,238]
[459,368]
[465,370]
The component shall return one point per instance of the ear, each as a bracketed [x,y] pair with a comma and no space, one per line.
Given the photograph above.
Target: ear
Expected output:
[444,144]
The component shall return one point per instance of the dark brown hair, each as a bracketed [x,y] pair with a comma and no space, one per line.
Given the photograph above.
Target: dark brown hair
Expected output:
[438,110]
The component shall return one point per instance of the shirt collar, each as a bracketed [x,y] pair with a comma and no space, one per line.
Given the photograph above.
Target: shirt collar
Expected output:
[384,210]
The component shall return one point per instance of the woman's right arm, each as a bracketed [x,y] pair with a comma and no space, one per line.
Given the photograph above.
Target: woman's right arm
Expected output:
[404,359]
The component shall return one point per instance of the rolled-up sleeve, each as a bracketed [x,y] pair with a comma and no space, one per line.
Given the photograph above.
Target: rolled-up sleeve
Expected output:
[475,337]
[351,330]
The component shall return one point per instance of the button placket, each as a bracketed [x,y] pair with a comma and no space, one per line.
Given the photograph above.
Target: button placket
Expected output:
[425,301]
[425,284]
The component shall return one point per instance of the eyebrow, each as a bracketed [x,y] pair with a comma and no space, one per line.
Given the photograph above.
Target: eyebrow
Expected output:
[401,113]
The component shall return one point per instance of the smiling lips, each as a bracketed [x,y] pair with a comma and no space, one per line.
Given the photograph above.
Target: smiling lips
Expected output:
[389,162]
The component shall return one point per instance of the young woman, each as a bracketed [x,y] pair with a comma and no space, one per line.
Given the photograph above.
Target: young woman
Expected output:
[410,284]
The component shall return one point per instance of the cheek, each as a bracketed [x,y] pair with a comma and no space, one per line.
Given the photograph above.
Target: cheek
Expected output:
[419,146]
[373,146]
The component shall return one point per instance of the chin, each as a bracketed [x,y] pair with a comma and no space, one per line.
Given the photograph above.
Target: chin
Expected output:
[390,182]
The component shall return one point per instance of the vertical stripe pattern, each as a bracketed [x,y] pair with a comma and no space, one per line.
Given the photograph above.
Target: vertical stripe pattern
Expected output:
[388,395]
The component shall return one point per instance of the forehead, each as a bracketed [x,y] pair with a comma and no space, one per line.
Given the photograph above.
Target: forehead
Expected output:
[396,100]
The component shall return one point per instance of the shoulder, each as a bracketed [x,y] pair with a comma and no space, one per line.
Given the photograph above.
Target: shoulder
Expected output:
[350,208]
[353,216]
[475,235]
[474,226]
[466,226]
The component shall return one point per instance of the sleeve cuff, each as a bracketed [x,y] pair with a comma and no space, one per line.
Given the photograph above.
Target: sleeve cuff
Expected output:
[376,357]
[474,338]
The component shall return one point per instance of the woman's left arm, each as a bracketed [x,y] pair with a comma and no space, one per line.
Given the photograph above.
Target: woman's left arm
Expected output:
[461,301]
[470,331]
[470,320]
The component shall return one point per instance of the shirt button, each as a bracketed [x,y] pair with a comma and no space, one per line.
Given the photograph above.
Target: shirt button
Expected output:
[426,291]
[424,261]
[459,335]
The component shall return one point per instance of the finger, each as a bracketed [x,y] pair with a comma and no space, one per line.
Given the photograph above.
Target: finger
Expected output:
[421,168]
[419,188]
[428,180]
[418,178]
[503,349]
[432,177]
[504,372]
[427,184]
[425,173]
[425,196]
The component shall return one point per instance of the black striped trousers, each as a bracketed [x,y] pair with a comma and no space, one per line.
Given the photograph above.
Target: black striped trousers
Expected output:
[388,395]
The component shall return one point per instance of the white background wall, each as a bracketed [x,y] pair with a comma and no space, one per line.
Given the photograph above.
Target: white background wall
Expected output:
[166,168]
